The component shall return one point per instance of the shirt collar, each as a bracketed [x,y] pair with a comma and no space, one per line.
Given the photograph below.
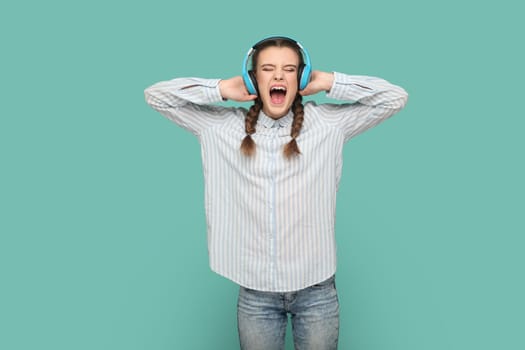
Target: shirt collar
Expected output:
[269,122]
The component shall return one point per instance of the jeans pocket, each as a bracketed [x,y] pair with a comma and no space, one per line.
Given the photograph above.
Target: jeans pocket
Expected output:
[325,284]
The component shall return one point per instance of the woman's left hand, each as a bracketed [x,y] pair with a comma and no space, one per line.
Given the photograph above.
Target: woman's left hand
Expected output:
[319,81]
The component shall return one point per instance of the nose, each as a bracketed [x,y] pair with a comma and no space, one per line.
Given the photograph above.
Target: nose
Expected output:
[278,74]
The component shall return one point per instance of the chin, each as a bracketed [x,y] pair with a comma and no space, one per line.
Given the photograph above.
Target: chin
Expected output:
[277,112]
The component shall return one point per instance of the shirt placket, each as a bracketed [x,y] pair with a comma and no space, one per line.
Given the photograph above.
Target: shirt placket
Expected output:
[272,209]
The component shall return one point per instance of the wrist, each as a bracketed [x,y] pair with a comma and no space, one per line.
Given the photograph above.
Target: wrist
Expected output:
[222,88]
[328,80]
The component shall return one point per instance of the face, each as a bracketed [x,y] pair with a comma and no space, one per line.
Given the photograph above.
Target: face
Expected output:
[276,75]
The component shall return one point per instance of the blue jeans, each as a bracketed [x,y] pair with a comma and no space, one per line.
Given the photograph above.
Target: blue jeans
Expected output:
[262,318]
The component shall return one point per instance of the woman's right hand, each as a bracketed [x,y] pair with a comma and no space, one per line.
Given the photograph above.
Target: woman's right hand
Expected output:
[234,89]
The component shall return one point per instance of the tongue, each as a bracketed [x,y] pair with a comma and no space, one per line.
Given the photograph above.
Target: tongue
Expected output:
[277,97]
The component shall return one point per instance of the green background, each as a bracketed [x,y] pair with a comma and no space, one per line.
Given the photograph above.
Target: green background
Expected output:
[103,241]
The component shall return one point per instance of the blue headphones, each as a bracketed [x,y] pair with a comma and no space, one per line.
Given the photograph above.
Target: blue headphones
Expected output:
[248,76]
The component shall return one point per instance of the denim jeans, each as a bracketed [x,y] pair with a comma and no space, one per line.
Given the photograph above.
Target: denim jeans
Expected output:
[263,316]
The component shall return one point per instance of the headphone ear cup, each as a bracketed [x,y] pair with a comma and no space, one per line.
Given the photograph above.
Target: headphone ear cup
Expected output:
[248,79]
[304,76]
[254,89]
[300,71]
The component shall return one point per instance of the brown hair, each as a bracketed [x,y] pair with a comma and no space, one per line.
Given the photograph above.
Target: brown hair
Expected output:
[291,148]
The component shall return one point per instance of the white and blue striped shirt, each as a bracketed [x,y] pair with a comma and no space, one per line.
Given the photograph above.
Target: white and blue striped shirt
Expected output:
[271,220]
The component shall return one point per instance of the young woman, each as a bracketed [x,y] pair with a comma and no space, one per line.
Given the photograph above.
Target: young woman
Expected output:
[271,177]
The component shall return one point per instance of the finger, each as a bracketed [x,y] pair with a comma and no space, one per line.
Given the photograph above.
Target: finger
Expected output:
[248,98]
[305,92]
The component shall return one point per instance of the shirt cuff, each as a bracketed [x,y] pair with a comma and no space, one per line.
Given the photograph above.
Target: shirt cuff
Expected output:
[213,93]
[337,91]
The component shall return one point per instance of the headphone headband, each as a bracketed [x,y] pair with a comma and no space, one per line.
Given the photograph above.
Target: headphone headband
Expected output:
[249,76]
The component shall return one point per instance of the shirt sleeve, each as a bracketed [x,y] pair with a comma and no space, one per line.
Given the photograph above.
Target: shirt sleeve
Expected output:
[368,102]
[187,102]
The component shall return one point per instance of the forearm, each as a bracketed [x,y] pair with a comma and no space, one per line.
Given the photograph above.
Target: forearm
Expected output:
[370,91]
[178,92]
[189,102]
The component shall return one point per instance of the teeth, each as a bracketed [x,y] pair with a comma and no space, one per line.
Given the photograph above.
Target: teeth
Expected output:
[279,88]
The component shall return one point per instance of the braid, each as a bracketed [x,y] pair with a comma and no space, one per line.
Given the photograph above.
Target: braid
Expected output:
[291,149]
[247,145]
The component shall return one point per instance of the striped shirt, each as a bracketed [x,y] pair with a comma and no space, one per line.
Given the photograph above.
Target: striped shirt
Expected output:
[271,220]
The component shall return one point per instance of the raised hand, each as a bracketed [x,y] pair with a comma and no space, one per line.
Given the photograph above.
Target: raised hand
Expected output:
[319,81]
[234,89]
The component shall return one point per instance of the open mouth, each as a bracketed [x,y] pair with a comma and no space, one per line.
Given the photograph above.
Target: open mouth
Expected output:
[277,94]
